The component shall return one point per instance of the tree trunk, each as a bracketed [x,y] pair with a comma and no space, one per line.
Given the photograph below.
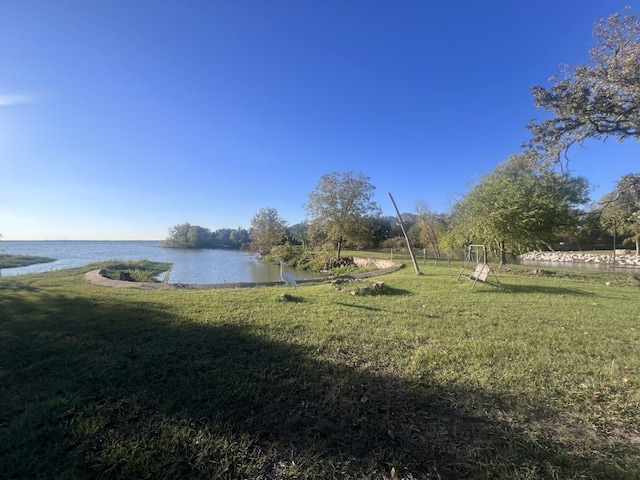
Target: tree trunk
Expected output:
[339,247]
[503,253]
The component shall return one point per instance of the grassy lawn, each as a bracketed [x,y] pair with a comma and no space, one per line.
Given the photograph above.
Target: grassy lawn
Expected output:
[432,379]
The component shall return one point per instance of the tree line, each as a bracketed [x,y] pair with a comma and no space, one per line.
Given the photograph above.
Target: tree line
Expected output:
[513,209]
[529,201]
[185,235]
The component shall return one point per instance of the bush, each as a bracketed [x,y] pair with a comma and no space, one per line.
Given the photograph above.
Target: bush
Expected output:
[287,253]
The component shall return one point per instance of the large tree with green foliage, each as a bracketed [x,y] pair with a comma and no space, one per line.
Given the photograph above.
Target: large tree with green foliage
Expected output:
[183,235]
[267,230]
[517,208]
[599,99]
[621,209]
[341,208]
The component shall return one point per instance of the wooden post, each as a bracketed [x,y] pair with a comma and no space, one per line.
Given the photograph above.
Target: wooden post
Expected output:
[615,233]
[406,237]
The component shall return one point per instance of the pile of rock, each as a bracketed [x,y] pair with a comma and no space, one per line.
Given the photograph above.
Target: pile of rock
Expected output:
[620,259]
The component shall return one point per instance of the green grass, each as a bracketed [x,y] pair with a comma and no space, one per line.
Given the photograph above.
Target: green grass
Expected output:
[432,379]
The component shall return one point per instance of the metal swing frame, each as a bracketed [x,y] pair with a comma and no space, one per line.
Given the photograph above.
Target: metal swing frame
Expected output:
[481,269]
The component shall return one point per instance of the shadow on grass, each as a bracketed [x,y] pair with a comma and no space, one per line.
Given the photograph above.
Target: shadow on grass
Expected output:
[546,290]
[362,307]
[117,389]
[392,291]
[15,286]
[386,292]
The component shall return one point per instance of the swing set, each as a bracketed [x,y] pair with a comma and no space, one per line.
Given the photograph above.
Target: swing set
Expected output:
[476,266]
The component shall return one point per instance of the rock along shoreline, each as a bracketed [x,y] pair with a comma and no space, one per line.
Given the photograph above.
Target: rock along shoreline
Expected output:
[621,259]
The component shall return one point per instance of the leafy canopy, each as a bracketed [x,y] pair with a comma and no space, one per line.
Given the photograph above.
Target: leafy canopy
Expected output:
[430,227]
[596,100]
[267,230]
[518,208]
[341,205]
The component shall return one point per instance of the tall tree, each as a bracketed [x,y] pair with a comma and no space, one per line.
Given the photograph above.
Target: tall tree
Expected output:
[431,227]
[621,208]
[517,208]
[178,236]
[598,100]
[341,207]
[267,230]
[199,237]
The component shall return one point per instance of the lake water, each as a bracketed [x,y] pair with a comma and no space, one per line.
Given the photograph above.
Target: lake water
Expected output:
[189,265]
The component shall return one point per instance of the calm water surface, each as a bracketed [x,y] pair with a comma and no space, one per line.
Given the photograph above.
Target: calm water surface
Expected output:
[189,266]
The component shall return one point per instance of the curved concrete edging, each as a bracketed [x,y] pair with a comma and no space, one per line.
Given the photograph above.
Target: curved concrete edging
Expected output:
[96,278]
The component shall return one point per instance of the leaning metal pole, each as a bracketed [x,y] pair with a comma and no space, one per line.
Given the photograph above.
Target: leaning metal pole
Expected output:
[406,237]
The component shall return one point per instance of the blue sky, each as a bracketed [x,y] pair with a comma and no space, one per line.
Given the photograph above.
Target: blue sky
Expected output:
[120,119]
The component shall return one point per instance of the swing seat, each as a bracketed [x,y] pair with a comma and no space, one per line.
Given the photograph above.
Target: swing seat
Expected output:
[481,272]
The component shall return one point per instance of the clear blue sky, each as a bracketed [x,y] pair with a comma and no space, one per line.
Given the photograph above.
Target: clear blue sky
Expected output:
[120,119]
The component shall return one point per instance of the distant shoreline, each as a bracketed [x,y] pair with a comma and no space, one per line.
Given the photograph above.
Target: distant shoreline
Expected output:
[14,261]
[68,240]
